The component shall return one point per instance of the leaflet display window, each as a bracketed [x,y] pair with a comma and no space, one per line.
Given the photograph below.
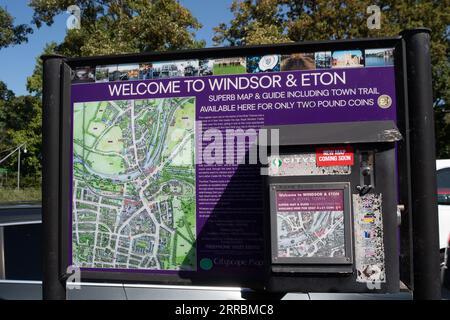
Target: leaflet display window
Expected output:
[311,223]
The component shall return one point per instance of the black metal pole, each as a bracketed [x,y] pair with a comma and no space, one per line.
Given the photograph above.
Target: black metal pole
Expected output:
[52,287]
[423,166]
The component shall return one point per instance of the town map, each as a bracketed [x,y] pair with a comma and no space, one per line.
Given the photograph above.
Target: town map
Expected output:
[311,234]
[134,184]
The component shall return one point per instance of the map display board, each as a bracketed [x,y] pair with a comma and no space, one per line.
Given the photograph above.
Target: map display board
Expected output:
[135,181]
[310,223]
[158,185]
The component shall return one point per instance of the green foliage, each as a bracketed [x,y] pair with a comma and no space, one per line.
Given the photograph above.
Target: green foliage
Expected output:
[20,122]
[442,123]
[6,96]
[254,22]
[5,93]
[273,21]
[122,26]
[34,82]
[9,33]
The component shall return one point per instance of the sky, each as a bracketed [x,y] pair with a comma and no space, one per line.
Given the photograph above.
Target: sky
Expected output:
[17,62]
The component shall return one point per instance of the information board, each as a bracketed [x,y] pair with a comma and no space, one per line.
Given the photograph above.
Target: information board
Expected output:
[158,181]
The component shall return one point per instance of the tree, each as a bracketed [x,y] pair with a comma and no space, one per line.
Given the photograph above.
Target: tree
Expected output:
[34,82]
[254,22]
[9,33]
[6,96]
[20,122]
[113,27]
[5,93]
[122,26]
[273,21]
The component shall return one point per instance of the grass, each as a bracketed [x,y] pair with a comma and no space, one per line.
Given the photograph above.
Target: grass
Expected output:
[14,195]
[223,70]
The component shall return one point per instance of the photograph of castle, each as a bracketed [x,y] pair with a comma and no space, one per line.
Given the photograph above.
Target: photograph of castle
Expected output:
[347,59]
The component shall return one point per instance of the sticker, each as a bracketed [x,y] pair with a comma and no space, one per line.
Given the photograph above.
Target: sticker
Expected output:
[303,164]
[369,247]
[334,156]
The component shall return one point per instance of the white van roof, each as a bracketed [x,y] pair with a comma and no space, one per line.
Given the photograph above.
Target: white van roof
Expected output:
[442,163]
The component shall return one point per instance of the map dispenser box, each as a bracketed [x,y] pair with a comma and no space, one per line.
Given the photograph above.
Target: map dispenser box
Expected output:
[331,208]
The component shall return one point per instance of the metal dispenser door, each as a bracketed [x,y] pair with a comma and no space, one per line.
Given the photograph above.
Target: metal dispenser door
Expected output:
[331,219]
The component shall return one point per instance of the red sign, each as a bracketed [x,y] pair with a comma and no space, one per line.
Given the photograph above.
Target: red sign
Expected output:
[334,156]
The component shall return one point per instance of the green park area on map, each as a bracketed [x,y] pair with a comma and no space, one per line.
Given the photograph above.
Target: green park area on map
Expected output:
[134,184]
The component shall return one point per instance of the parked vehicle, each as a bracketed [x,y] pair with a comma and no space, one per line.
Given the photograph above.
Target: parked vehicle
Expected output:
[445,269]
[443,195]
